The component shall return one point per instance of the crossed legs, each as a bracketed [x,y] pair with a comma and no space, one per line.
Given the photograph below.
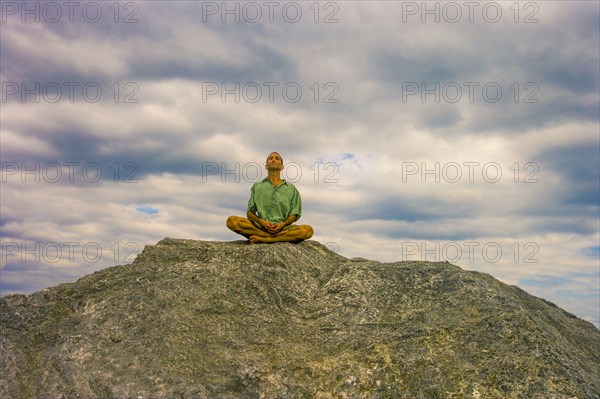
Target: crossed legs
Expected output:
[243,226]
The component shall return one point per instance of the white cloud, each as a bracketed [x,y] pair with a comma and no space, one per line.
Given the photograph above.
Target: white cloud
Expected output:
[373,204]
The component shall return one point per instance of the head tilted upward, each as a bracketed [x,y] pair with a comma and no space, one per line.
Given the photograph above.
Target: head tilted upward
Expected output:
[274,161]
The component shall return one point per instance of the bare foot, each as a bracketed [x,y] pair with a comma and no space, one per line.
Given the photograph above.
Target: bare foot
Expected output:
[273,238]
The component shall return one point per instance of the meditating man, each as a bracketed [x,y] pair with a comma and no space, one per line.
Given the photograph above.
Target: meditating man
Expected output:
[273,207]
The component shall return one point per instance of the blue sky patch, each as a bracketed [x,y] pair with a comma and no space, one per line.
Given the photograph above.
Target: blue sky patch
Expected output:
[543,281]
[147,210]
[592,252]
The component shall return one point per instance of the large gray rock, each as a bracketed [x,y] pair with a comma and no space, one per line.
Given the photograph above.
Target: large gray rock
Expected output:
[196,319]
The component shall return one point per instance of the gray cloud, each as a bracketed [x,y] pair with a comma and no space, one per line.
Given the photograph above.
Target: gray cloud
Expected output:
[190,152]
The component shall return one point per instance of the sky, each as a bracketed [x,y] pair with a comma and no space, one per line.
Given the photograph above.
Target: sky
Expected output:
[458,131]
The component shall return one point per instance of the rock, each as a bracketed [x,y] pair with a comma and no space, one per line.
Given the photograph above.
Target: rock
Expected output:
[197,319]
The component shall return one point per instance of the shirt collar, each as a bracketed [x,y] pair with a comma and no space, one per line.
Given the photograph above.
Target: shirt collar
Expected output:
[283,181]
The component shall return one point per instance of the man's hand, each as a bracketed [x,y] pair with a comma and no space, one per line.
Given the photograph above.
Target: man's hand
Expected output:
[270,227]
[274,227]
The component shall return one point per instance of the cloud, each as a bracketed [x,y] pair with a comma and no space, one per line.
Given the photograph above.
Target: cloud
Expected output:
[405,135]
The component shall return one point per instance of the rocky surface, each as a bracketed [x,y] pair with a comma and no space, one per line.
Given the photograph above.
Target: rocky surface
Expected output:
[196,319]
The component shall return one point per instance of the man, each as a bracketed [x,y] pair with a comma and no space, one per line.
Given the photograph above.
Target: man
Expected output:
[273,207]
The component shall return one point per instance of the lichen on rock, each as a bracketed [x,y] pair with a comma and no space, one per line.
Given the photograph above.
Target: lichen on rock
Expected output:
[198,319]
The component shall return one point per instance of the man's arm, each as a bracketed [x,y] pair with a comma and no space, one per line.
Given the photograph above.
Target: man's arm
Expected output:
[291,219]
[252,216]
[277,227]
[271,227]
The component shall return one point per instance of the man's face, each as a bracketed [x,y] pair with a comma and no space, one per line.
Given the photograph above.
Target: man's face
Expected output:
[274,161]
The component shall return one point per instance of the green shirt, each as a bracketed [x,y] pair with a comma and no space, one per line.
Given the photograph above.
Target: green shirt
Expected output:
[274,204]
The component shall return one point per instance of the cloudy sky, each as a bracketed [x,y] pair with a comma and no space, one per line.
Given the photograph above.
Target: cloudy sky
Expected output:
[460,131]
